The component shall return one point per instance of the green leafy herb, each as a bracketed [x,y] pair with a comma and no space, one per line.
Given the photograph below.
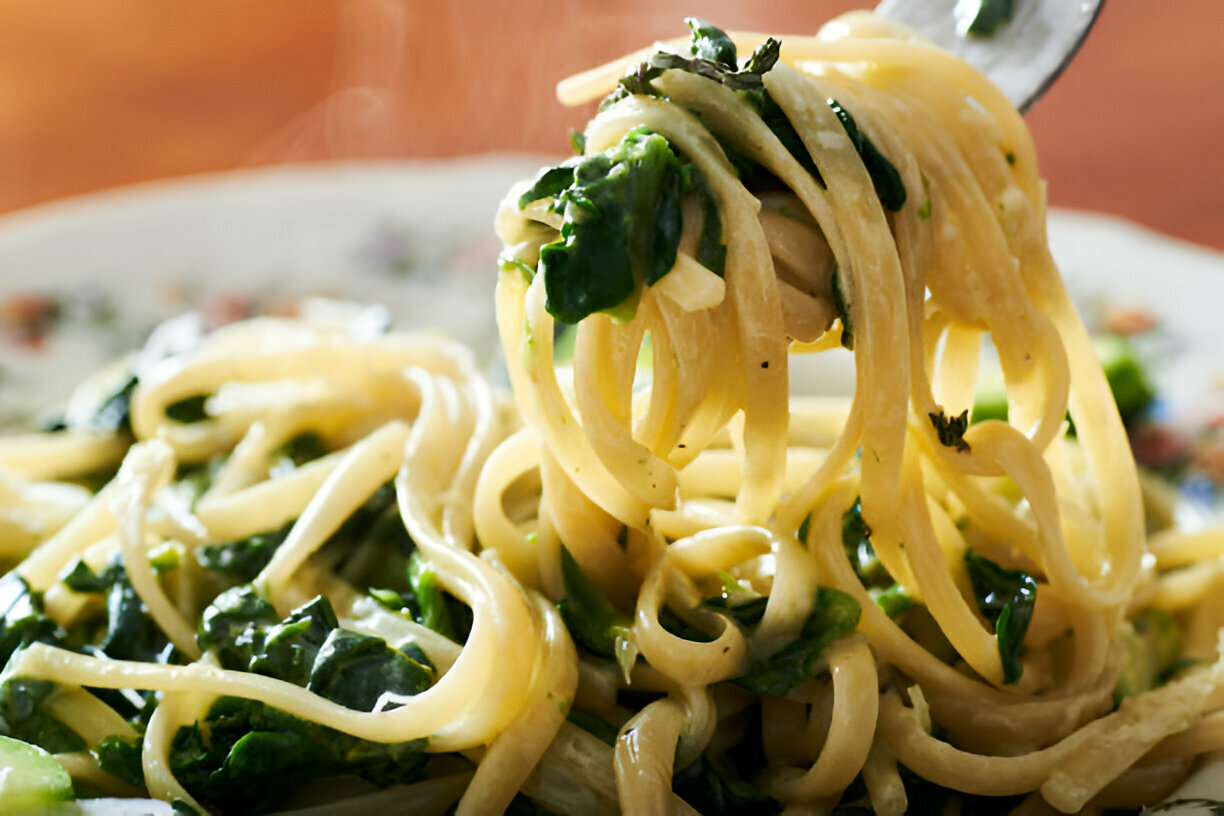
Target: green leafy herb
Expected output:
[711,43]
[594,622]
[884,176]
[245,756]
[621,227]
[1005,598]
[951,429]
[834,615]
[303,448]
[243,559]
[308,649]
[131,633]
[189,410]
[745,612]
[356,670]
[432,609]
[289,648]
[22,623]
[894,600]
[114,413]
[120,757]
[235,625]
[711,250]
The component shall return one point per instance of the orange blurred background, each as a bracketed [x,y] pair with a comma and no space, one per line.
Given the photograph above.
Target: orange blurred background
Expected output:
[110,92]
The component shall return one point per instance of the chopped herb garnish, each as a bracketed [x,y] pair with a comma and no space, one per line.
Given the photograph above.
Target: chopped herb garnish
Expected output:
[884,176]
[1005,598]
[951,429]
[834,615]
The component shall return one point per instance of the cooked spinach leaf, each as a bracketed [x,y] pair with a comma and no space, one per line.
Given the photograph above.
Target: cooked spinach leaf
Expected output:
[884,176]
[621,228]
[308,648]
[121,758]
[243,559]
[592,620]
[834,615]
[189,410]
[1005,598]
[114,413]
[235,625]
[22,622]
[432,609]
[290,647]
[745,612]
[131,633]
[356,670]
[245,756]
[711,43]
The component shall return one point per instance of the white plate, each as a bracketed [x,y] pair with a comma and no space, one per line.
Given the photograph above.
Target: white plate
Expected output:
[82,281]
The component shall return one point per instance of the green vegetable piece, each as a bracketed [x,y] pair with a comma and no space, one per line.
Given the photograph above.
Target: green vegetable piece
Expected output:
[189,410]
[303,448]
[1005,598]
[290,647]
[884,176]
[432,610]
[131,633]
[114,414]
[711,250]
[711,43]
[120,757]
[549,184]
[834,615]
[894,600]
[856,540]
[744,612]
[247,756]
[243,559]
[595,624]
[355,670]
[22,623]
[951,429]
[31,777]
[982,18]
[621,227]
[234,624]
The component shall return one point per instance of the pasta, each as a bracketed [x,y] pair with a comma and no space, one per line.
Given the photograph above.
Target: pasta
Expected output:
[656,576]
